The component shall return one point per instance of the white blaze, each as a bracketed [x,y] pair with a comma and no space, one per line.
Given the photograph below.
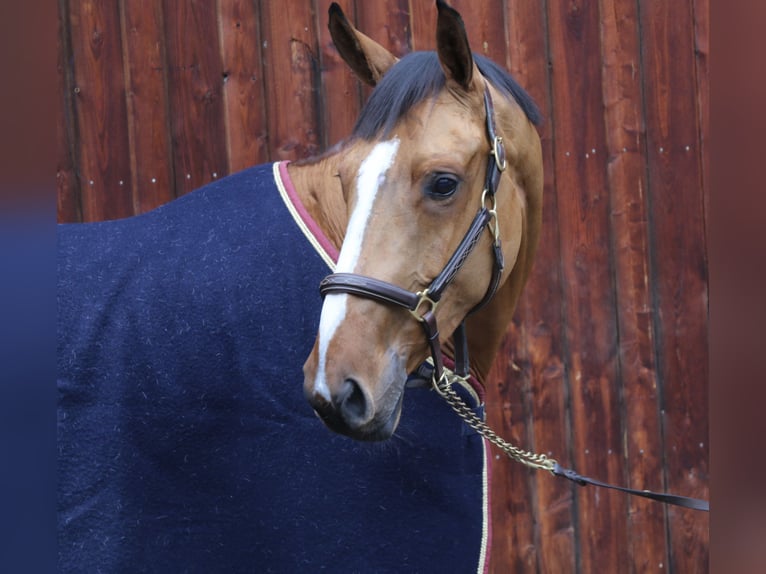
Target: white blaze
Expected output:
[371,175]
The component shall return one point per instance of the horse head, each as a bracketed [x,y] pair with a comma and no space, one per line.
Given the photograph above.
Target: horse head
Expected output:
[413,176]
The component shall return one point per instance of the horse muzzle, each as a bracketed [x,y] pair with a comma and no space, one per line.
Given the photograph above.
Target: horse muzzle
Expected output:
[348,414]
[352,407]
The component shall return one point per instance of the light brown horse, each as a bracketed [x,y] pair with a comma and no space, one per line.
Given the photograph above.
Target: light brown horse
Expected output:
[405,188]
[184,443]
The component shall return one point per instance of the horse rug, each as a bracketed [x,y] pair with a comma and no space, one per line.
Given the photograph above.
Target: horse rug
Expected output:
[184,441]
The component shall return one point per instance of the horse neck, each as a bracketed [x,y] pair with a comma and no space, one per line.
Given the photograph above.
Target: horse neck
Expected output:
[319,188]
[486,328]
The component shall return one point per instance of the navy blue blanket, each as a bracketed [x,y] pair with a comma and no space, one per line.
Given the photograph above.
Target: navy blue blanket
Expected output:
[185,443]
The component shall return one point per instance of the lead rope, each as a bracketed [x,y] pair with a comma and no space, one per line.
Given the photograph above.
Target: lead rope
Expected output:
[443,386]
[533,460]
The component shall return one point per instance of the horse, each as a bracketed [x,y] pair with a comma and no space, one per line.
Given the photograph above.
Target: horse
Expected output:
[186,441]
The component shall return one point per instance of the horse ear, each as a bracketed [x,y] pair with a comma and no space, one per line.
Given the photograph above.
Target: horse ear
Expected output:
[368,59]
[452,46]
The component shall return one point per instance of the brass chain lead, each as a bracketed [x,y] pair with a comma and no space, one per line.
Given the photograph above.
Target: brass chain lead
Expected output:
[533,460]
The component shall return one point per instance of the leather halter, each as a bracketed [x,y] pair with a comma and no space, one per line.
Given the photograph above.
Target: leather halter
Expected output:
[422,304]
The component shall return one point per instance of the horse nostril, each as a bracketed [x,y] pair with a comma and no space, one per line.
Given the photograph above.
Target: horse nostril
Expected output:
[352,402]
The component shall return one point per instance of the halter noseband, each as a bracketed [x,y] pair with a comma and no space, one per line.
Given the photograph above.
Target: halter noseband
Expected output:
[422,304]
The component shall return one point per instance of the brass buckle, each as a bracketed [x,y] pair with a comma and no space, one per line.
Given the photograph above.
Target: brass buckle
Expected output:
[423,298]
[498,150]
[494,223]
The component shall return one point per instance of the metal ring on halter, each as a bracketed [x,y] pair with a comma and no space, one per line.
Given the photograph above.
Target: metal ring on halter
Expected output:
[498,150]
[437,384]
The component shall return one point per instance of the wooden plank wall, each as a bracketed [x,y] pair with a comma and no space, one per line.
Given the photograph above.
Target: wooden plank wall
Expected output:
[605,366]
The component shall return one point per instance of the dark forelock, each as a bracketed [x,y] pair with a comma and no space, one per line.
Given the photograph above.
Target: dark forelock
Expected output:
[418,76]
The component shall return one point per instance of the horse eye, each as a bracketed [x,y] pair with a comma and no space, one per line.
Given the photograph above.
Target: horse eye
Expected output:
[442,186]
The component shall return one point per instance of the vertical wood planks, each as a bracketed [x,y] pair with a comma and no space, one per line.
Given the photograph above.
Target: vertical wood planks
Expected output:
[195,79]
[147,100]
[540,347]
[625,138]
[340,89]
[291,65]
[243,84]
[517,544]
[388,23]
[701,10]
[67,188]
[588,294]
[423,25]
[103,169]
[486,22]
[679,265]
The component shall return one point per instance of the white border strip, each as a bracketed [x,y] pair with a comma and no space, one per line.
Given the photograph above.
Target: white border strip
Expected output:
[485,527]
[298,220]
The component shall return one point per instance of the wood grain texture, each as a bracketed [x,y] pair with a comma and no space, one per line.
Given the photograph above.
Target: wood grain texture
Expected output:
[541,347]
[291,65]
[195,79]
[626,173]
[486,21]
[98,86]
[244,94]
[423,24]
[588,293]
[679,265]
[388,23]
[67,185]
[340,90]
[701,12]
[147,100]
[513,502]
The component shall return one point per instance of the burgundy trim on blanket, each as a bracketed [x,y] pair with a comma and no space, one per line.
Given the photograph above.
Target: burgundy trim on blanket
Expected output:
[308,221]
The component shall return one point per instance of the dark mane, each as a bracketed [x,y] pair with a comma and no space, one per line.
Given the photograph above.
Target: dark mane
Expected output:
[418,76]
